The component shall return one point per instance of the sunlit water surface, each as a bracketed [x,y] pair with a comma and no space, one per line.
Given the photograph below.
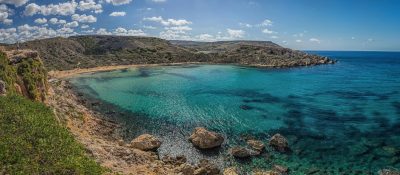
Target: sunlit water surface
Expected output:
[339,119]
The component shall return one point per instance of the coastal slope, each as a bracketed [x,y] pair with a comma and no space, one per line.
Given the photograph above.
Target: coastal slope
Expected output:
[94,51]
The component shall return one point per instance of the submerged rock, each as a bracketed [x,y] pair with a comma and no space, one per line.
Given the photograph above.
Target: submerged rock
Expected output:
[256,144]
[146,142]
[3,90]
[178,160]
[281,169]
[279,142]
[388,172]
[204,139]
[241,152]
[206,168]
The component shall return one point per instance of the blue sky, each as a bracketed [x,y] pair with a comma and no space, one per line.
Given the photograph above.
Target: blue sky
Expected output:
[297,24]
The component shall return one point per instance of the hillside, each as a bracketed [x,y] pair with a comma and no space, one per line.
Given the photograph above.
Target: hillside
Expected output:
[93,51]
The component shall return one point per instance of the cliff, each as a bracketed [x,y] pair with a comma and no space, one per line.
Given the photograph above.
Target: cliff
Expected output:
[22,72]
[93,51]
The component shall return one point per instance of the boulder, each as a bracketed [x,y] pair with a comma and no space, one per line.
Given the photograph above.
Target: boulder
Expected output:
[206,168]
[281,169]
[3,90]
[185,169]
[256,144]
[388,172]
[230,171]
[279,143]
[241,152]
[204,139]
[146,142]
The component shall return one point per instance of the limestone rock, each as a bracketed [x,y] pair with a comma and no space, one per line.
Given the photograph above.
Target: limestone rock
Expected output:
[230,171]
[279,142]
[241,152]
[204,139]
[206,168]
[256,144]
[146,142]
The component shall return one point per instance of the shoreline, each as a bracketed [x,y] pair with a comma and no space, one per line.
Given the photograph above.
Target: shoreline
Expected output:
[64,74]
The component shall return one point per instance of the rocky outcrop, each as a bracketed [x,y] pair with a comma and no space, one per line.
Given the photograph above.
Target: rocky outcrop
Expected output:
[256,144]
[204,139]
[281,169]
[279,143]
[388,172]
[3,90]
[22,72]
[146,142]
[242,152]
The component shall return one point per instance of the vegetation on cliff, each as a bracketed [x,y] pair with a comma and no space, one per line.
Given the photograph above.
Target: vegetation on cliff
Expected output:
[33,142]
[23,73]
[93,51]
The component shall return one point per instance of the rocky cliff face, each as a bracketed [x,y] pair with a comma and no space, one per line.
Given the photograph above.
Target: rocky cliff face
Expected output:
[22,72]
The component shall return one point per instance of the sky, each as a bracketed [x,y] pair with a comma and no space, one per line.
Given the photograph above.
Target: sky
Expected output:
[297,24]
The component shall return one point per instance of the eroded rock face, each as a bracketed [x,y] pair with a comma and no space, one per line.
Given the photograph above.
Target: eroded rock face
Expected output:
[388,172]
[201,138]
[279,142]
[146,142]
[3,90]
[256,144]
[241,152]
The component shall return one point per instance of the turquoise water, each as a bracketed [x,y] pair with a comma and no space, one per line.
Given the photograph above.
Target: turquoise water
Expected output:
[339,119]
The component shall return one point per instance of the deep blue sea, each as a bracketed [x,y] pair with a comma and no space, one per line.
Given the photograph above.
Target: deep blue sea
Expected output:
[339,119]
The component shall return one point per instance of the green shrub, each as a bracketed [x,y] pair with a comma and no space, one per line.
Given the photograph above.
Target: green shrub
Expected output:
[32,141]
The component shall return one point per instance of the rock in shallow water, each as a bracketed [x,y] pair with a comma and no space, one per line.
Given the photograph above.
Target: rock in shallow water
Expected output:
[206,168]
[279,142]
[146,142]
[241,152]
[204,139]
[389,172]
[256,144]
[230,171]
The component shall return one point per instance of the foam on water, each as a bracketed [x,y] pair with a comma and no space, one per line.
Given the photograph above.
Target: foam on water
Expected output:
[339,119]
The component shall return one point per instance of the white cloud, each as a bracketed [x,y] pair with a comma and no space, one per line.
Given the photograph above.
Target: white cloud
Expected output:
[90,5]
[180,29]
[131,32]
[72,24]
[235,33]
[66,8]
[266,22]
[85,26]
[5,13]
[159,1]
[168,22]
[118,14]
[103,31]
[315,40]
[353,38]
[298,41]
[370,40]
[245,25]
[149,27]
[174,35]
[205,37]
[40,21]
[274,37]
[8,35]
[17,3]
[84,18]
[267,31]
[56,21]
[118,2]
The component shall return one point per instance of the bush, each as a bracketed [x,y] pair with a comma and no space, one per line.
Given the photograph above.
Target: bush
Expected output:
[32,141]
